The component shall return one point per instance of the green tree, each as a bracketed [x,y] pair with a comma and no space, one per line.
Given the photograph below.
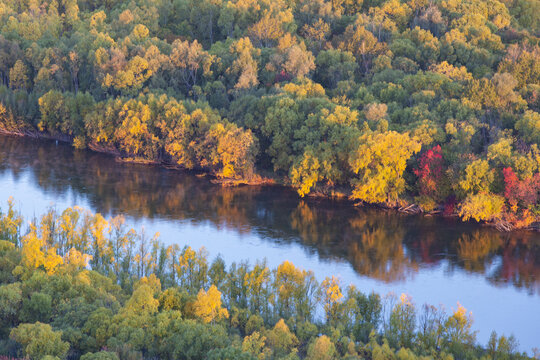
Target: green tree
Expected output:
[102,355]
[18,76]
[528,127]
[40,340]
[10,304]
[281,340]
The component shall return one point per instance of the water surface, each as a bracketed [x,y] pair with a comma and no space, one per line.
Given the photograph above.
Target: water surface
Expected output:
[436,261]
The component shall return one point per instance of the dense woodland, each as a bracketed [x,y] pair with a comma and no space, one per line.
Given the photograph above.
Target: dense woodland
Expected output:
[75,285]
[389,102]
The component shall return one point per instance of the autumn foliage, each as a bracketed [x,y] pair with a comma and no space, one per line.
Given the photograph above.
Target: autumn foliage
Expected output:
[388,102]
[151,301]
[432,179]
[521,193]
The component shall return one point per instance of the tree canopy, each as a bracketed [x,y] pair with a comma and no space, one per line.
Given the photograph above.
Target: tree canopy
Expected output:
[341,97]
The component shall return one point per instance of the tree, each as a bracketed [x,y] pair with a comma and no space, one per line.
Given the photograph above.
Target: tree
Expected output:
[364,312]
[271,27]
[10,224]
[18,76]
[458,333]
[191,340]
[502,347]
[258,284]
[293,286]
[334,66]
[293,61]
[403,323]
[10,304]
[316,35]
[115,71]
[332,297]
[432,182]
[281,340]
[482,207]
[34,257]
[37,308]
[133,133]
[54,113]
[40,340]
[235,151]
[505,84]
[478,177]
[255,344]
[360,42]
[208,305]
[379,163]
[244,68]
[190,60]
[142,301]
[305,173]
[524,193]
[102,355]
[529,127]
[322,349]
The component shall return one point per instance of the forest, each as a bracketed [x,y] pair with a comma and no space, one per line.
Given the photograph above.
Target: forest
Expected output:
[74,285]
[391,102]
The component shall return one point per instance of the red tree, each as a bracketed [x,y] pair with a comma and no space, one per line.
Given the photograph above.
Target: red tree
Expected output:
[430,172]
[520,192]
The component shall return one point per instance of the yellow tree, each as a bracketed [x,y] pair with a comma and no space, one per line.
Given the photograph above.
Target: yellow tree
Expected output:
[101,245]
[34,254]
[208,305]
[235,150]
[132,78]
[295,290]
[322,349]
[10,222]
[458,328]
[192,268]
[288,281]
[361,42]
[271,27]
[134,135]
[483,206]
[257,281]
[282,340]
[70,237]
[18,76]
[143,299]
[331,295]
[379,161]
[76,260]
[306,172]
[244,67]
[189,60]
[254,344]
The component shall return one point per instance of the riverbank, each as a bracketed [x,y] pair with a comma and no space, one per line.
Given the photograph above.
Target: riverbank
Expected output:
[504,224]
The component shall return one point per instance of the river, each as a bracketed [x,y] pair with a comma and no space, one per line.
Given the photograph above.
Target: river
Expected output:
[438,261]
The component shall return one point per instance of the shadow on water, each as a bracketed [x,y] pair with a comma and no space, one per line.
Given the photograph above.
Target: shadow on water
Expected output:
[382,245]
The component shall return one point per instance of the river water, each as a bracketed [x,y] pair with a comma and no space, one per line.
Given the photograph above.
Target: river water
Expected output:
[438,261]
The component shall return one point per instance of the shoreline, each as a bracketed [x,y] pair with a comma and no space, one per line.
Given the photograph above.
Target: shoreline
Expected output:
[320,193]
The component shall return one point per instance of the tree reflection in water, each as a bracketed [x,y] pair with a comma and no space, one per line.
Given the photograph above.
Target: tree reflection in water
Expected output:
[383,245]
